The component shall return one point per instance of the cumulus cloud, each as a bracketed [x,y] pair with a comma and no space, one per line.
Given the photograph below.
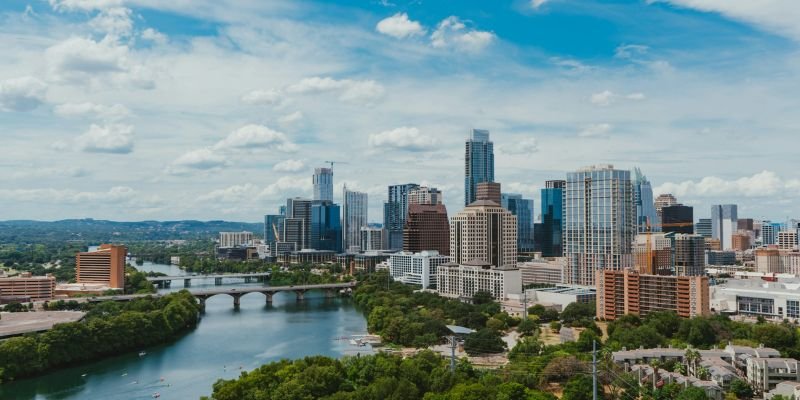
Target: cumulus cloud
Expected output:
[80,60]
[290,118]
[21,94]
[524,146]
[154,36]
[595,130]
[453,33]
[607,97]
[112,113]
[399,26]
[114,21]
[289,166]
[286,186]
[199,159]
[762,184]
[231,194]
[263,97]
[110,138]
[535,4]
[254,136]
[358,91]
[627,51]
[59,196]
[403,138]
[83,5]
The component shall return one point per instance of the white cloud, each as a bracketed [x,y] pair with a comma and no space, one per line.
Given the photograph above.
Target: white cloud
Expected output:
[399,26]
[285,187]
[81,60]
[110,138]
[403,138]
[627,51]
[524,146]
[112,113]
[115,196]
[263,97]
[535,4]
[762,184]
[453,33]
[199,159]
[595,130]
[290,118]
[154,36]
[231,194]
[607,97]
[114,21]
[349,90]
[571,64]
[635,96]
[289,166]
[83,5]
[256,137]
[21,94]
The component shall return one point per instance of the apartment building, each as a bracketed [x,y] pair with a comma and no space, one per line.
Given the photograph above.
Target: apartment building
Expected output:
[628,292]
[106,266]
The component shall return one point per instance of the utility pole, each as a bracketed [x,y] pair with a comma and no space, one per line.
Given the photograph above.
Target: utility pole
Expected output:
[594,370]
[452,354]
[524,304]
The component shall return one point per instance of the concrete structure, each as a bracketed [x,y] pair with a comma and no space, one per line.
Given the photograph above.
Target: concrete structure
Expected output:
[523,210]
[354,216]
[552,209]
[427,228]
[106,266]
[703,227]
[490,191]
[425,195]
[416,268]
[241,253]
[20,323]
[768,260]
[330,290]
[323,184]
[664,200]
[34,288]
[628,292]
[297,225]
[599,222]
[465,279]
[542,271]
[771,300]
[741,241]
[560,296]
[787,240]
[646,217]
[764,374]
[646,375]
[724,222]
[478,163]
[373,239]
[484,231]
[395,211]
[235,239]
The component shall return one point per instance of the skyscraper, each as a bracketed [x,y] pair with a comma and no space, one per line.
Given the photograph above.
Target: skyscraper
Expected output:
[724,222]
[395,211]
[678,219]
[488,191]
[478,163]
[273,228]
[354,206]
[703,227]
[484,232]
[427,228]
[552,218]
[297,224]
[425,195]
[326,229]
[599,222]
[523,209]
[664,200]
[323,184]
[690,255]
[373,238]
[646,218]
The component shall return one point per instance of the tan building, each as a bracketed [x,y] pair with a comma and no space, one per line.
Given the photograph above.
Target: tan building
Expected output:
[25,286]
[542,271]
[484,231]
[713,244]
[106,265]
[425,195]
[741,241]
[664,200]
[628,292]
[787,240]
[769,261]
[659,254]
[489,191]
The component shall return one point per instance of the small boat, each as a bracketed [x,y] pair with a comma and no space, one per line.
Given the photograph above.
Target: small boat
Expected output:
[142,353]
[156,395]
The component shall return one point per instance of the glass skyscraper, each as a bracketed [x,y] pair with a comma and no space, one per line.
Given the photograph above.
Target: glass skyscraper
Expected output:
[645,206]
[326,229]
[323,184]
[599,222]
[478,163]
[551,227]
[395,211]
[355,208]
[724,222]
[523,209]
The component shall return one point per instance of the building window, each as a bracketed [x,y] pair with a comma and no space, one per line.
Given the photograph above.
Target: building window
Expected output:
[793,308]
[755,305]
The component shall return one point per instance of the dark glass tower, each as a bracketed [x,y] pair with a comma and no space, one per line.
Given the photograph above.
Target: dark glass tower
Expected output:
[478,163]
[395,211]
[551,226]
[678,219]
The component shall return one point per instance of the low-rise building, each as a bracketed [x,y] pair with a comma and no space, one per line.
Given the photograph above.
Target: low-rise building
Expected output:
[416,268]
[542,271]
[307,256]
[789,390]
[647,375]
[764,374]
[33,288]
[464,280]
[366,262]
[772,300]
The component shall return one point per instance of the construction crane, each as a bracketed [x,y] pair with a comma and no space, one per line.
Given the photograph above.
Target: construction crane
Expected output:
[336,162]
[649,234]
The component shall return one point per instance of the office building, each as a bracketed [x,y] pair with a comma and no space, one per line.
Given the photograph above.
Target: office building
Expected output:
[787,239]
[368,262]
[664,200]
[720,258]
[599,222]
[297,224]
[235,239]
[653,254]
[768,260]
[703,227]
[395,211]
[105,266]
[425,195]
[488,191]
[724,222]
[465,279]
[550,230]
[427,228]
[326,229]
[523,210]
[373,239]
[689,255]
[323,184]
[416,268]
[646,217]
[745,224]
[769,232]
[486,232]
[26,288]
[354,216]
[542,271]
[308,256]
[741,241]
[678,219]
[478,163]
[757,297]
[629,292]
[273,230]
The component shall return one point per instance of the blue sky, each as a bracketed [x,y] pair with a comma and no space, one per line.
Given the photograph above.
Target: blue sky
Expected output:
[145,109]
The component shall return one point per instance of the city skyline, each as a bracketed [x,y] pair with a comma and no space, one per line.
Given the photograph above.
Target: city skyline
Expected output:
[107,113]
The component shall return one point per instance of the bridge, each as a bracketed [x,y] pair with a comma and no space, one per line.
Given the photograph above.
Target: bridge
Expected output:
[166,281]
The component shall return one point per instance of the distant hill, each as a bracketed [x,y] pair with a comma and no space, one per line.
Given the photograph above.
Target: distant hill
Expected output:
[99,231]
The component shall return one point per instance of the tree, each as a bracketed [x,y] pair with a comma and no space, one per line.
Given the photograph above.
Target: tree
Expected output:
[544,314]
[527,327]
[579,387]
[484,341]
[577,311]
[482,297]
[741,389]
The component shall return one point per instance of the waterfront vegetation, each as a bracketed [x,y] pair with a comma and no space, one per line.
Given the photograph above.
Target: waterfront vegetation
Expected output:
[109,328]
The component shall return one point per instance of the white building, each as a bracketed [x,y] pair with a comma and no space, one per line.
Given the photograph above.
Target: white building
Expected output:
[373,239]
[416,268]
[235,239]
[724,223]
[542,271]
[425,195]
[465,279]
[764,374]
[354,216]
[777,300]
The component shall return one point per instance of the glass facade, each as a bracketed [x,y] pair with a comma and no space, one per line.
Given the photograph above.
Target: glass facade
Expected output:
[354,207]
[551,229]
[395,211]
[646,218]
[326,229]
[323,184]
[523,209]
[793,308]
[755,305]
[724,223]
[478,163]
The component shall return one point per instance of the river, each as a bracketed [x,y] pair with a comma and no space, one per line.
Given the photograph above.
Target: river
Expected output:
[225,342]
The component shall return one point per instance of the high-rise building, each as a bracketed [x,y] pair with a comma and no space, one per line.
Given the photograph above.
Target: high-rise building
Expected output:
[488,191]
[646,218]
[486,232]
[395,211]
[323,184]
[724,222]
[478,163]
[326,229]
[427,228]
[373,239]
[235,239]
[787,239]
[416,268]
[523,209]
[106,265]
[273,229]
[599,222]
[297,224]
[355,212]
[769,232]
[653,253]
[741,241]
[629,292]
[678,219]
[689,255]
[664,200]
[703,227]
[746,224]
[425,195]
[552,218]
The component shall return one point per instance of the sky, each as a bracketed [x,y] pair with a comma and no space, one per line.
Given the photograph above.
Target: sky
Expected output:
[212,109]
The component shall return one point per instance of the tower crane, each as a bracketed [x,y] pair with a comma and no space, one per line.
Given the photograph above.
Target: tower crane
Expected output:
[336,162]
